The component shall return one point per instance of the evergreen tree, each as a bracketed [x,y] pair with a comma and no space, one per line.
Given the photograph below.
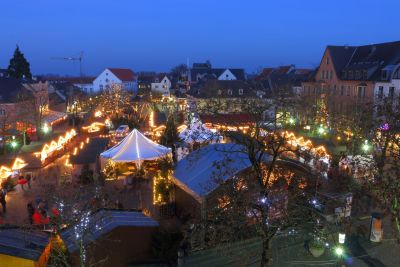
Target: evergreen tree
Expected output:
[170,135]
[19,67]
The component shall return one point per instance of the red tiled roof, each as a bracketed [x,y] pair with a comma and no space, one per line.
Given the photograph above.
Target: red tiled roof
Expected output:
[123,74]
[264,74]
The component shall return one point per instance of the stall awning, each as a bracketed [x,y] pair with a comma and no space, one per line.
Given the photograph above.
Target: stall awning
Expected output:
[135,147]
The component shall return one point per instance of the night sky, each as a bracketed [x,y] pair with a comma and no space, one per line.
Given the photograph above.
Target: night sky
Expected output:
[158,34]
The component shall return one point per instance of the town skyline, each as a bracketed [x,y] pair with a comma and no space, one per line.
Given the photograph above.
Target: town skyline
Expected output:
[157,39]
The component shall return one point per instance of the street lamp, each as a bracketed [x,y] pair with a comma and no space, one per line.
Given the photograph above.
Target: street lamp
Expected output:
[46,128]
[321,130]
[14,144]
[366,146]
[292,120]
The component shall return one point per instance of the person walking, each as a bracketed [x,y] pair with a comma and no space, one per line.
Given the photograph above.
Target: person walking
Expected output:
[28,179]
[3,202]
[31,211]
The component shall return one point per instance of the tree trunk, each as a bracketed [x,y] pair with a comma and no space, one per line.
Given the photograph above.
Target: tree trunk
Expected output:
[266,256]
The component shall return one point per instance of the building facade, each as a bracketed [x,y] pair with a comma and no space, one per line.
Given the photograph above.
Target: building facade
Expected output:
[110,77]
[346,82]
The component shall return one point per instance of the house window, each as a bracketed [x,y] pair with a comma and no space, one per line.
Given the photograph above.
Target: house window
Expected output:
[365,75]
[101,87]
[361,91]
[330,75]
[219,92]
[322,74]
[334,89]
[2,112]
[348,90]
[350,75]
[240,91]
[391,91]
[358,76]
[342,90]
[380,92]
[327,60]
[229,91]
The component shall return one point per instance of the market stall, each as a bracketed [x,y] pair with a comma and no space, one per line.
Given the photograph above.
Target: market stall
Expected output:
[135,147]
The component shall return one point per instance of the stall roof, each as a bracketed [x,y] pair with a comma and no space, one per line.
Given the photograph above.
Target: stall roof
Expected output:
[90,151]
[23,243]
[135,147]
[202,170]
[105,221]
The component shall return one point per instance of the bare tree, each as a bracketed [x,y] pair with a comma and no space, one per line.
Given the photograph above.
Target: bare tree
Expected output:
[268,179]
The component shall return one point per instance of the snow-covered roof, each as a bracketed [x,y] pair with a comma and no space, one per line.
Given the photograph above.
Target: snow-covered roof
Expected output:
[197,132]
[103,222]
[135,147]
[204,169]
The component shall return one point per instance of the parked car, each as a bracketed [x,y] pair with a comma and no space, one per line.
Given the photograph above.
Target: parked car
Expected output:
[121,131]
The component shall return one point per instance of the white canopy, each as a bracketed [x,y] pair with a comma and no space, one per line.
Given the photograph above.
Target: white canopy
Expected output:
[135,147]
[197,132]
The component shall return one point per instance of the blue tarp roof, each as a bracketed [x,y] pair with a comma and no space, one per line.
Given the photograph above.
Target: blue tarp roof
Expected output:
[23,243]
[103,222]
[203,170]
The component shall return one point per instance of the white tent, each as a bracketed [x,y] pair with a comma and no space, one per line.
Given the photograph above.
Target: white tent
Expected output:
[197,132]
[135,147]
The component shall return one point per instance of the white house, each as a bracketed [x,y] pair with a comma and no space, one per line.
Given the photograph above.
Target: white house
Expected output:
[227,75]
[161,86]
[389,86]
[113,76]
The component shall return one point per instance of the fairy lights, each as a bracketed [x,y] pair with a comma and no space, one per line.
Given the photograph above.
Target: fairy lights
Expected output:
[54,146]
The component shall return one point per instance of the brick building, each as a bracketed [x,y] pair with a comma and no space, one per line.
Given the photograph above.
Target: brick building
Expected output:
[344,83]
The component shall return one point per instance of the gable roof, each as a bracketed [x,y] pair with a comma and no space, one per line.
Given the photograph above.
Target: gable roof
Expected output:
[214,73]
[223,89]
[369,59]
[10,89]
[203,170]
[73,80]
[124,75]
[104,221]
[26,244]
[340,56]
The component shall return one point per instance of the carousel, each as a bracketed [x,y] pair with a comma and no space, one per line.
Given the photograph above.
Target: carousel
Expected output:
[195,135]
[137,158]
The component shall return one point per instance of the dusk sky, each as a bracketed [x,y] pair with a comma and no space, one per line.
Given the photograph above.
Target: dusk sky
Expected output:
[158,34]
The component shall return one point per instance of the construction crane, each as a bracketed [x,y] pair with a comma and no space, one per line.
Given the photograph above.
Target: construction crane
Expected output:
[74,58]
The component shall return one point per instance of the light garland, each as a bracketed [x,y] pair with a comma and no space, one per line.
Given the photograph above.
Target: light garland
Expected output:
[54,146]
[17,165]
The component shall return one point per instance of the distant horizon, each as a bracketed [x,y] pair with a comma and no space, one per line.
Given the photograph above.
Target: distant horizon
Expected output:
[156,35]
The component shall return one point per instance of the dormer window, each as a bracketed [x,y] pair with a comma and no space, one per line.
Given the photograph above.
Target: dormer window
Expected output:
[365,75]
[350,75]
[229,91]
[219,92]
[358,76]
[240,91]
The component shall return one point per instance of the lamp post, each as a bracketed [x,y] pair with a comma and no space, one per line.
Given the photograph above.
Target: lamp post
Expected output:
[366,147]
[339,251]
[45,128]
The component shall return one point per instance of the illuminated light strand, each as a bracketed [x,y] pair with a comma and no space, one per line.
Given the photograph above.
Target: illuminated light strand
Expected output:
[54,146]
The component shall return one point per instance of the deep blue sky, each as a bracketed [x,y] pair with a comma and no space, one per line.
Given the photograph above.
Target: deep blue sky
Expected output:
[158,34]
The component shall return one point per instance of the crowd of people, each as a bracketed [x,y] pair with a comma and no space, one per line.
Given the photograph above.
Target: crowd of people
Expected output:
[39,213]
